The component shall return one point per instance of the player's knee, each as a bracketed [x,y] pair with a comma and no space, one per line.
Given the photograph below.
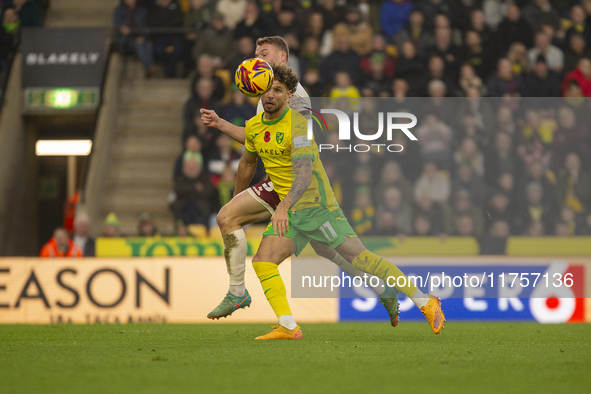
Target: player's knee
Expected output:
[224,218]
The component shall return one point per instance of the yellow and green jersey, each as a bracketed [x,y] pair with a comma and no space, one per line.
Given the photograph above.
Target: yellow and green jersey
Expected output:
[278,143]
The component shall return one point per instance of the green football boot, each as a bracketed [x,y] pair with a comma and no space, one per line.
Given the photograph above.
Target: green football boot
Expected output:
[229,304]
[390,301]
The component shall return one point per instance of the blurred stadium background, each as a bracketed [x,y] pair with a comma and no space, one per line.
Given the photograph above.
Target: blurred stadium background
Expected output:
[489,177]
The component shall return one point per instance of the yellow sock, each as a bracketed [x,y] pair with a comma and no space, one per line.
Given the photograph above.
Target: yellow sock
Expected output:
[273,286]
[375,265]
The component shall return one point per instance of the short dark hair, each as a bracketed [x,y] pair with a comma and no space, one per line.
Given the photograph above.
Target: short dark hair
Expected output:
[286,76]
[276,41]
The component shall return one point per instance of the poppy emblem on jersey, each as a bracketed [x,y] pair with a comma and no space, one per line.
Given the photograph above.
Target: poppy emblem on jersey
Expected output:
[279,137]
[267,136]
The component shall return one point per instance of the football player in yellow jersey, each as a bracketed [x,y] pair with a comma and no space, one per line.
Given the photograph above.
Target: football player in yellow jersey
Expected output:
[308,210]
[258,203]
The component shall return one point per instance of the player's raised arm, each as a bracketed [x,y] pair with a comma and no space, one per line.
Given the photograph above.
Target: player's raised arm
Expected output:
[246,169]
[211,119]
[303,169]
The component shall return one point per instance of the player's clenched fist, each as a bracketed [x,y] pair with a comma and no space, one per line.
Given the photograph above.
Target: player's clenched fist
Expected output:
[209,117]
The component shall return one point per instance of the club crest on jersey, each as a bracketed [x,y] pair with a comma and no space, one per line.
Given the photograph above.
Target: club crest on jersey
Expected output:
[267,137]
[279,137]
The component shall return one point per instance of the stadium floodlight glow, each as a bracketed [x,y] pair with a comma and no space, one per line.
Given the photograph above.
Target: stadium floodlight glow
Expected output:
[63,147]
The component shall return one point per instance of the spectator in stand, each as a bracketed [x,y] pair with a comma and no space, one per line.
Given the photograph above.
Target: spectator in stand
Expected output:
[311,82]
[494,12]
[534,210]
[225,155]
[193,148]
[499,207]
[363,212]
[435,139]
[535,229]
[574,223]
[343,86]
[410,68]
[573,185]
[517,55]
[469,154]
[539,12]
[181,229]
[513,28]
[253,25]
[576,50]
[287,23]
[463,206]
[542,81]
[309,56]
[572,136]
[501,158]
[476,55]
[536,173]
[332,12]
[206,69]
[9,38]
[111,226]
[218,41]
[504,82]
[478,25]
[202,97]
[495,242]
[195,199]
[376,81]
[464,226]
[581,75]
[206,135]
[466,179]
[245,50]
[195,21]
[168,46]
[343,58]
[414,32]
[577,22]
[432,183]
[379,47]
[131,23]
[422,226]
[226,185]
[28,12]
[437,70]
[448,51]
[432,9]
[360,31]
[146,226]
[82,236]
[392,176]
[232,11]
[60,245]
[425,207]
[394,216]
[505,122]
[543,46]
[240,110]
[315,28]
[394,14]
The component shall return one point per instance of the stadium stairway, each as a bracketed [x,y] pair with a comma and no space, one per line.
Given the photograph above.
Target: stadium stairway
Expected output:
[144,147]
[80,13]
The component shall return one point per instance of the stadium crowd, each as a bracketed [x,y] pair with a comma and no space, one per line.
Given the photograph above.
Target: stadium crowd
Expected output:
[15,15]
[486,163]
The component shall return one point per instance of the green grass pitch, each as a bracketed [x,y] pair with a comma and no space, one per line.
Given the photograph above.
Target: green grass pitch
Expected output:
[345,357]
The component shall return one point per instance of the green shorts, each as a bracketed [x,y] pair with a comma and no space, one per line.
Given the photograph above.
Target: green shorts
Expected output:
[320,224]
